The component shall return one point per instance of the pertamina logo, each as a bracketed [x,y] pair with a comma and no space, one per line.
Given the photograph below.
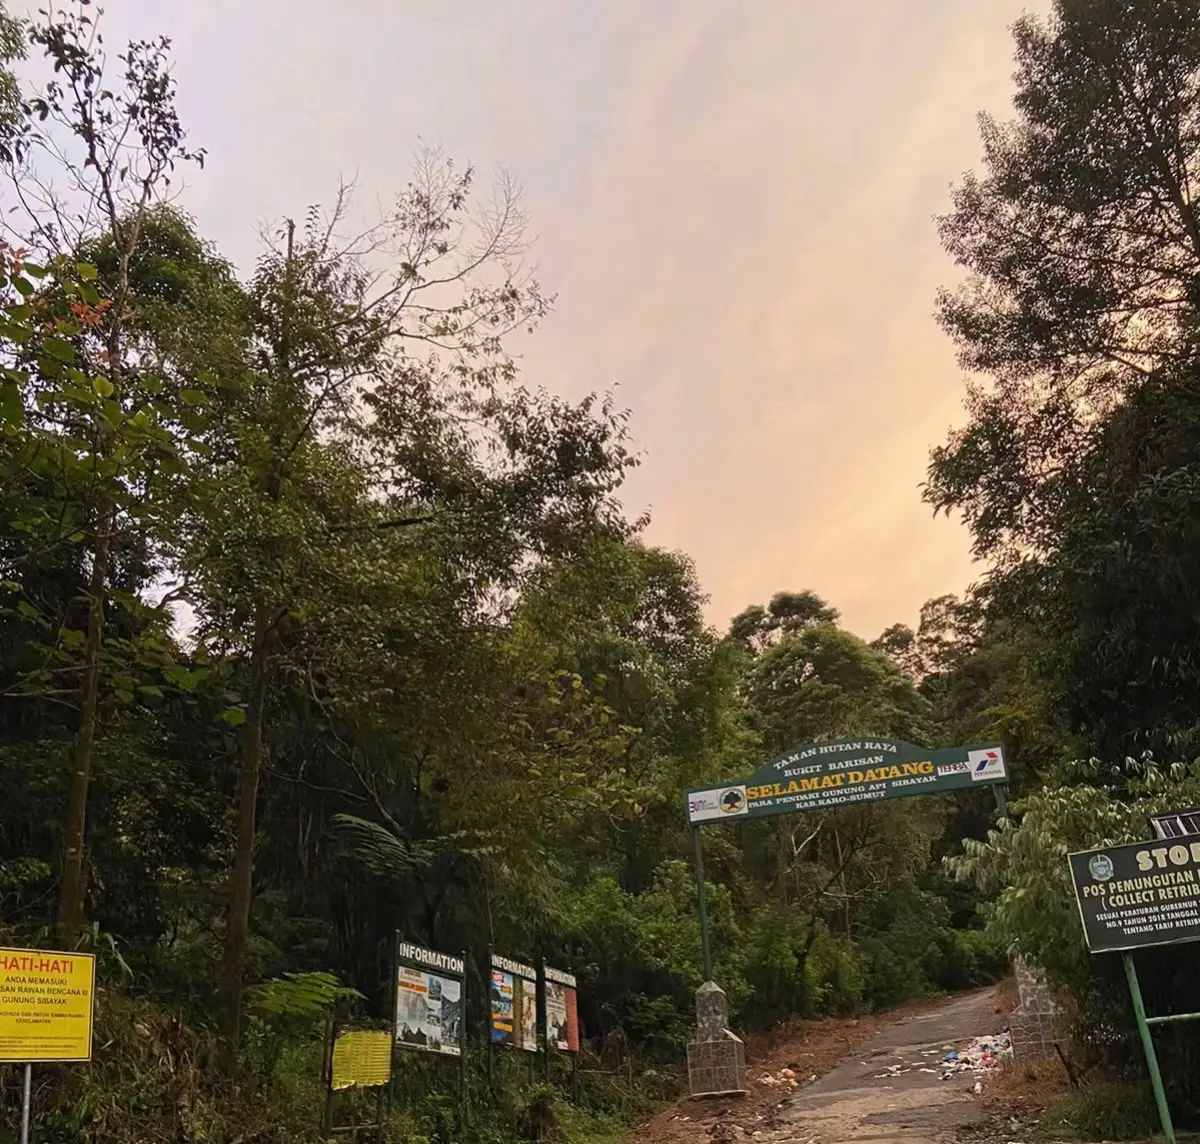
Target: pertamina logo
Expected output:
[986,764]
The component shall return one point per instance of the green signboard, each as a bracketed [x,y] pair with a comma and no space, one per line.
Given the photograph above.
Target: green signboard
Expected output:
[822,775]
[1140,894]
[1143,894]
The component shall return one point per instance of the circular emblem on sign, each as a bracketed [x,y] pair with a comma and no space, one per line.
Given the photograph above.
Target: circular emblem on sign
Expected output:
[732,801]
[1101,867]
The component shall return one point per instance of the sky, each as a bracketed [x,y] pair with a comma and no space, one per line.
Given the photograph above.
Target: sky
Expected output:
[733,203]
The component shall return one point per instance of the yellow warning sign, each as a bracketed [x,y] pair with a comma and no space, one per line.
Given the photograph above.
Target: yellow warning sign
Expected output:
[362,1059]
[47,1000]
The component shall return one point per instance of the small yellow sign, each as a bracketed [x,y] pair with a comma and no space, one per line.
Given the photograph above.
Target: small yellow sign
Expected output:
[362,1059]
[47,1005]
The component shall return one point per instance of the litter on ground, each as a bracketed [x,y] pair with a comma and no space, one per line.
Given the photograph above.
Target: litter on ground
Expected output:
[980,1056]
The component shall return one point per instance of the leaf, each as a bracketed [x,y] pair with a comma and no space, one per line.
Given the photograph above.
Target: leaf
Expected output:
[86,271]
[103,386]
[234,716]
[28,610]
[193,396]
[150,690]
[12,408]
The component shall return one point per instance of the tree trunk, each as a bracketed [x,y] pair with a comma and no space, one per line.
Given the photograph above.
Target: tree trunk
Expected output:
[73,883]
[237,921]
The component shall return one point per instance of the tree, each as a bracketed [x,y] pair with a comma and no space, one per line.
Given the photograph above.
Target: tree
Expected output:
[376,403]
[1084,250]
[100,402]
[12,48]
[818,683]
[1117,596]
[1082,241]
[825,684]
[788,612]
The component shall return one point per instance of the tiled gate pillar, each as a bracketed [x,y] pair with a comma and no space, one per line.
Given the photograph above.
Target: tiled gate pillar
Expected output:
[1037,1023]
[716,1058]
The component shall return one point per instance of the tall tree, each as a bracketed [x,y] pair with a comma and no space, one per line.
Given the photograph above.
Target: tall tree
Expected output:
[126,142]
[1082,243]
[379,402]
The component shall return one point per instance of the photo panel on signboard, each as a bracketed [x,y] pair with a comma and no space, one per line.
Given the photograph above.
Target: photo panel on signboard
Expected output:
[503,999]
[525,1014]
[556,1016]
[428,1011]
[572,999]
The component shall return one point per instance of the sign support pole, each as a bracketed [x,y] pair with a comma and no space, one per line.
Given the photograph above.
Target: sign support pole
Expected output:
[487,1033]
[1139,1012]
[463,1099]
[702,901]
[26,1095]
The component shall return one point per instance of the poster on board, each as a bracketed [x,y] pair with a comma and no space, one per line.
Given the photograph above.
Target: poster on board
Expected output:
[428,1011]
[502,1007]
[429,1001]
[525,996]
[513,1004]
[562,1011]
[572,1021]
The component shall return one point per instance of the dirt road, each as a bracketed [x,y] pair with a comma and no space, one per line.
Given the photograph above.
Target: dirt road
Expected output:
[880,1095]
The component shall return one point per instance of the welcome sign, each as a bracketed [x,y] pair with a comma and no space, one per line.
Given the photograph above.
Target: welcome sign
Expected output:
[821,775]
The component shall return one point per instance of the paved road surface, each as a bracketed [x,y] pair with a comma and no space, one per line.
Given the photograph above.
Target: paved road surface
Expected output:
[855,1103]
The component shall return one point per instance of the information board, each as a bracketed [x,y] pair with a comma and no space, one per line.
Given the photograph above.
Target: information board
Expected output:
[562,1011]
[429,1001]
[1140,894]
[47,1005]
[821,775]
[513,1004]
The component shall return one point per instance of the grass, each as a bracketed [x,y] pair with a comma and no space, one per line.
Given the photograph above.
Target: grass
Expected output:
[1103,1110]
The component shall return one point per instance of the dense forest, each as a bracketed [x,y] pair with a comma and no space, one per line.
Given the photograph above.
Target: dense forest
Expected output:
[319,622]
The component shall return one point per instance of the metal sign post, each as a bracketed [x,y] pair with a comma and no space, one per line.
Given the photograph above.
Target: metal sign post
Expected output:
[1137,896]
[702,903]
[1143,1024]
[33,1032]
[26,1095]
[821,776]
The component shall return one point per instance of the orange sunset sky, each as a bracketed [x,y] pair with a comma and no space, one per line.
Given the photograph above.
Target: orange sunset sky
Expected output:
[733,202]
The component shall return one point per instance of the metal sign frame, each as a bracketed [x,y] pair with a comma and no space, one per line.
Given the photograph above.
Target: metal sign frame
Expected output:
[1160,824]
[333,1029]
[44,961]
[412,956]
[823,776]
[567,981]
[27,1061]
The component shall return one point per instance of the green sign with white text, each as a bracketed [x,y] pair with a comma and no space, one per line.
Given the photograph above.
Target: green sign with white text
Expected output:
[822,775]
